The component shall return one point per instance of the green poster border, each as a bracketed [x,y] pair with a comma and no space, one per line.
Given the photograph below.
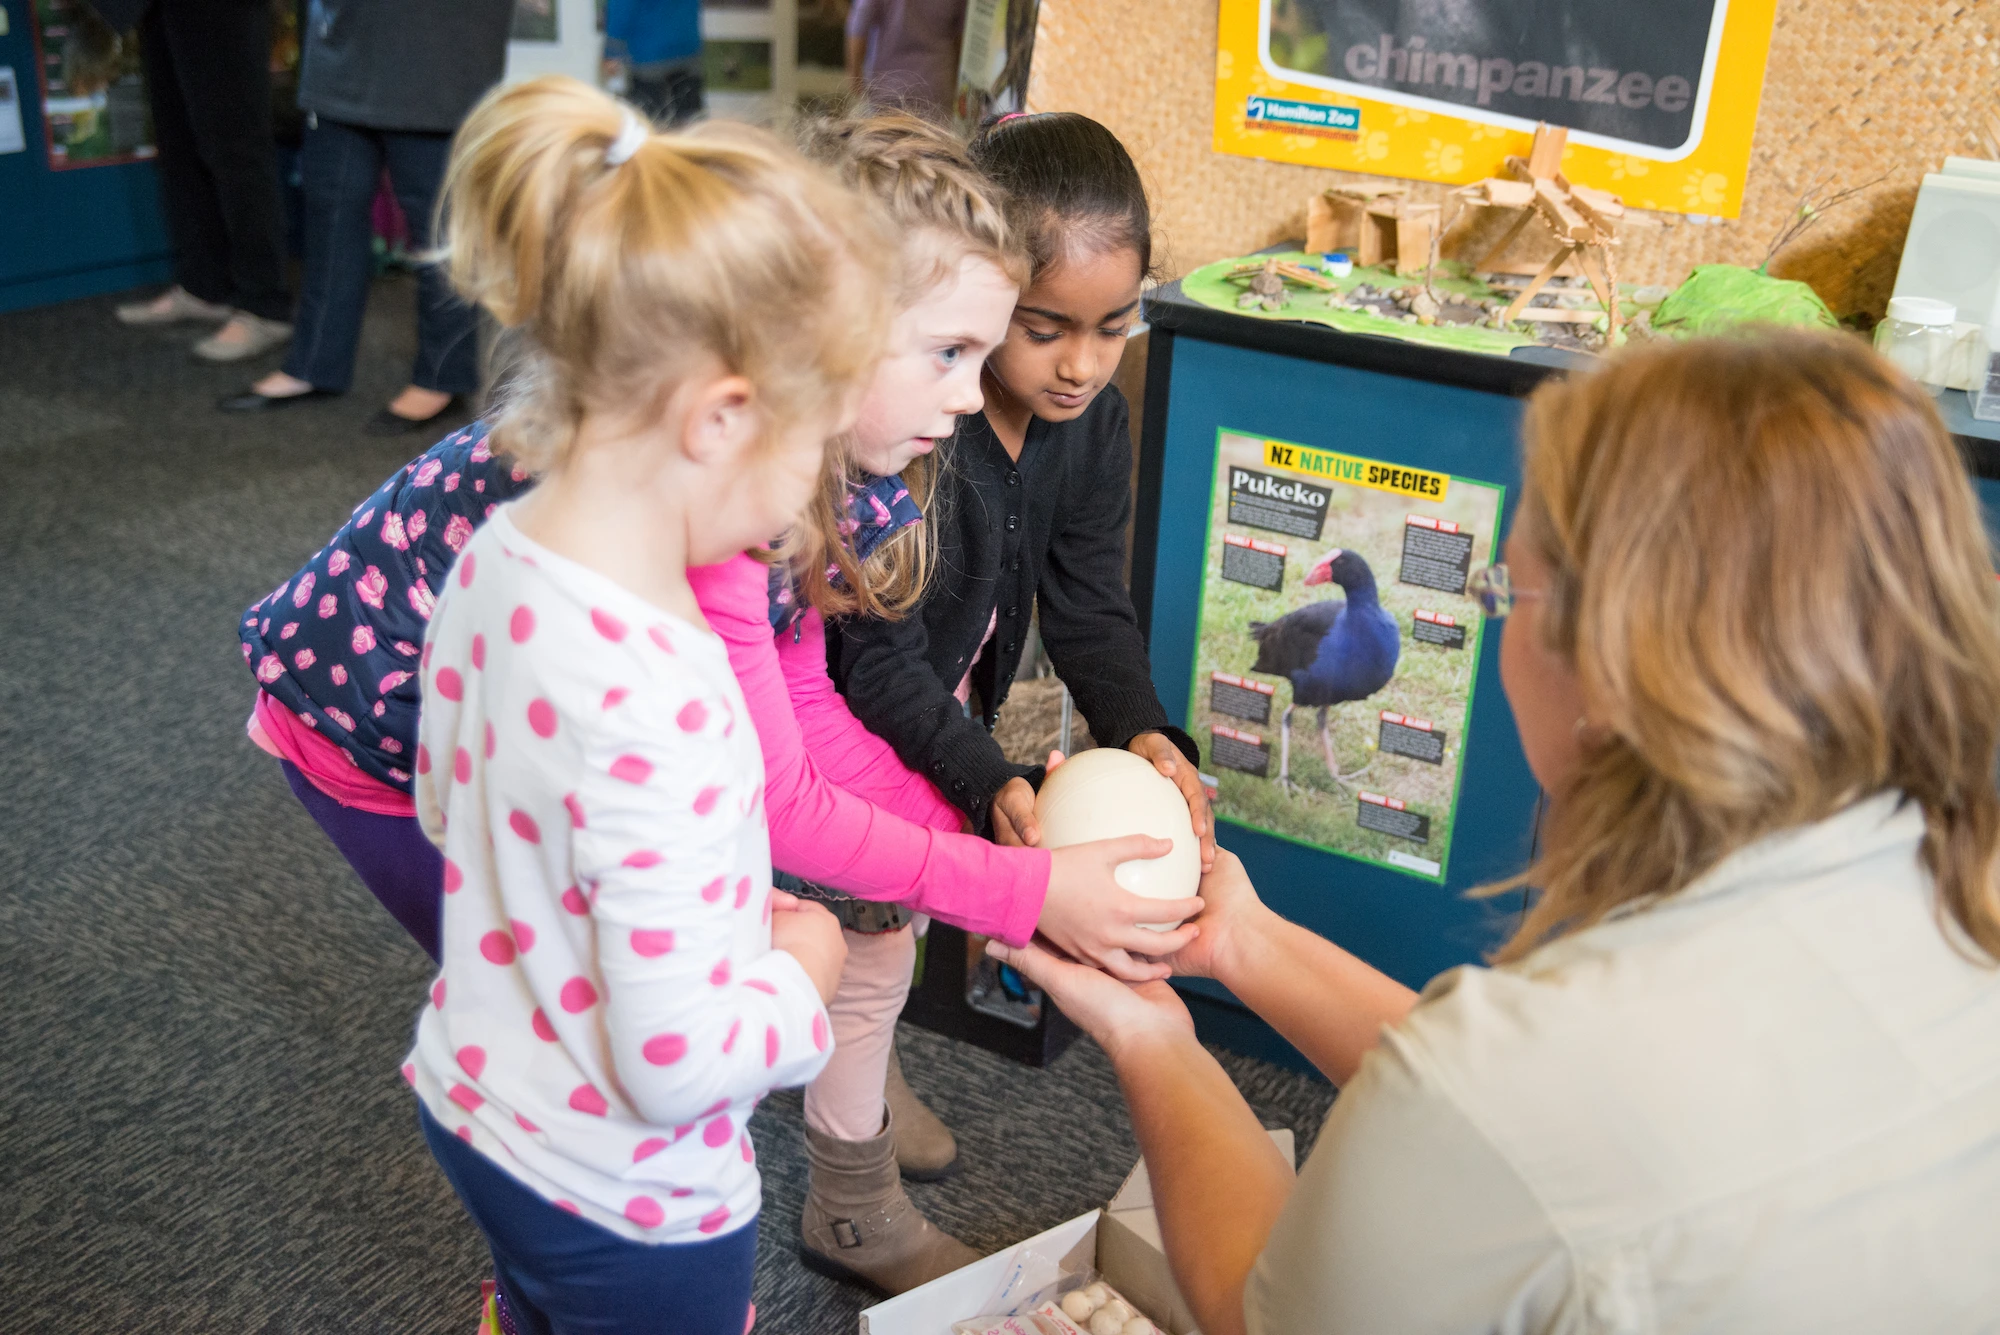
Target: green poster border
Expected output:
[1471,694]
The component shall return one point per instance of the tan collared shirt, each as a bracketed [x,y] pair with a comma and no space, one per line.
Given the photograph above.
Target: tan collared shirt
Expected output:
[1770,1102]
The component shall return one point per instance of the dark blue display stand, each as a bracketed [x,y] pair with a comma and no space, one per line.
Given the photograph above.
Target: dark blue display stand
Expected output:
[1429,408]
[74,233]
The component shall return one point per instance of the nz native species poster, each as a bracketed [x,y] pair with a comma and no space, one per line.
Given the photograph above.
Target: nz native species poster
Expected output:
[1337,653]
[1660,99]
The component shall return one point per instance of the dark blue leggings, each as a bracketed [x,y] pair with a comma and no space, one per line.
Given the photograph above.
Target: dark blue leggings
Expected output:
[561,1275]
[398,864]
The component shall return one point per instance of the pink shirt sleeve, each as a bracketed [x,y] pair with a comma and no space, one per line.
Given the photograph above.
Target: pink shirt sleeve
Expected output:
[821,831]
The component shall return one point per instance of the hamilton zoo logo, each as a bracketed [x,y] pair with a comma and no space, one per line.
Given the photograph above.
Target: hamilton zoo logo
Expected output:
[1293,117]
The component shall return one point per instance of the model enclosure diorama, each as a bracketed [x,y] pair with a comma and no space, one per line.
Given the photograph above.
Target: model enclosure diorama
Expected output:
[1373,263]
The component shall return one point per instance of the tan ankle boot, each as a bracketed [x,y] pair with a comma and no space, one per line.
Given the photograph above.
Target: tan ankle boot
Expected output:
[858,1223]
[925,1149]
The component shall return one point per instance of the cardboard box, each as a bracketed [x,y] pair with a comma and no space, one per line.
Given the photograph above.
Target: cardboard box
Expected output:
[1121,1241]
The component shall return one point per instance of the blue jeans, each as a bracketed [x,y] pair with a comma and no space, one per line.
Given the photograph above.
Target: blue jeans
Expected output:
[339,167]
[561,1275]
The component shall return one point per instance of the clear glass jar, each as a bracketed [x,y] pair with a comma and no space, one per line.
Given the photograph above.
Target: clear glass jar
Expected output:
[1917,336]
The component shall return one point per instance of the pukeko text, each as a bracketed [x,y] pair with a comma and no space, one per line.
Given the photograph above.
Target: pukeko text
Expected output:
[1331,651]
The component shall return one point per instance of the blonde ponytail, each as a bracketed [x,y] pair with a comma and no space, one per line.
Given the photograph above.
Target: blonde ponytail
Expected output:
[616,277]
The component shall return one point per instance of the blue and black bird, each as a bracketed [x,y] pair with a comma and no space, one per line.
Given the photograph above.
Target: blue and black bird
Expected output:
[1331,651]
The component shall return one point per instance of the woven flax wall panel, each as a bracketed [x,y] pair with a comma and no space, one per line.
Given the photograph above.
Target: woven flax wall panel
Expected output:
[1855,89]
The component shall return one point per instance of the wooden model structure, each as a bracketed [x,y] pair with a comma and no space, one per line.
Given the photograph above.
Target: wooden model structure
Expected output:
[1374,224]
[1583,221]
[1268,279]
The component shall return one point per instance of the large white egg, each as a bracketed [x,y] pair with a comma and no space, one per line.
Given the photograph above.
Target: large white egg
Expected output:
[1105,793]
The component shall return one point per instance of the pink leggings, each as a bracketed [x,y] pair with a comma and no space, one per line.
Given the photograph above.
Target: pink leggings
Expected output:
[846,1100]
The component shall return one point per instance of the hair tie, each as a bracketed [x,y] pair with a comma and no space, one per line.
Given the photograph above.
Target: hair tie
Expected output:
[630,136]
[1010,116]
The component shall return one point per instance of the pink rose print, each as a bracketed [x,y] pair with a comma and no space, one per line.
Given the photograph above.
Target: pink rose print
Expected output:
[481,452]
[392,681]
[269,669]
[406,649]
[328,605]
[457,531]
[372,586]
[367,517]
[416,524]
[291,629]
[427,474]
[303,594]
[518,473]
[341,717]
[246,651]
[422,569]
[279,592]
[422,600]
[364,636]
[392,746]
[337,563]
[451,484]
[339,674]
[392,532]
[400,776]
[380,709]
[304,659]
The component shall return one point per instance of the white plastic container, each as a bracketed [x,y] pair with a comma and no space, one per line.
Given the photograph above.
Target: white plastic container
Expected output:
[1918,337]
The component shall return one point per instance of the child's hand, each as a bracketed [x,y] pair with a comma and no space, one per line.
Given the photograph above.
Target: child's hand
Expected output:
[811,935]
[1014,822]
[1094,919]
[1169,761]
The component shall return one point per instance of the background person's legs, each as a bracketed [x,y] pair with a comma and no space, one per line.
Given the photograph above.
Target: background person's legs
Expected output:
[187,190]
[447,328]
[340,166]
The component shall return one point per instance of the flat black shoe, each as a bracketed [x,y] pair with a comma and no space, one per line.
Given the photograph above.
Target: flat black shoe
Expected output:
[250,401]
[386,423]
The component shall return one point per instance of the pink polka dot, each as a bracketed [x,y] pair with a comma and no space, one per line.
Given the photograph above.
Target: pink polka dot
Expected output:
[497,947]
[449,684]
[569,1207]
[521,823]
[465,571]
[643,859]
[760,985]
[682,1132]
[743,892]
[466,1098]
[771,1046]
[714,1108]
[542,717]
[704,801]
[479,651]
[464,1133]
[743,1143]
[526,1125]
[714,1219]
[648,1147]
[614,696]
[524,935]
[575,810]
[454,879]
[423,759]
[573,902]
[437,994]
[659,636]
[729,1043]
[472,1059]
[679,1192]
[651,942]
[539,1022]
[645,1212]
[767,910]
[693,714]
[586,1099]
[819,1031]
[631,769]
[610,627]
[719,975]
[713,890]
[578,995]
[522,624]
[461,766]
[718,1132]
[425,661]
[489,741]
[664,1049]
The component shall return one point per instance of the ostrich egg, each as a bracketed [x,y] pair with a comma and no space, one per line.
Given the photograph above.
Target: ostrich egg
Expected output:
[1105,793]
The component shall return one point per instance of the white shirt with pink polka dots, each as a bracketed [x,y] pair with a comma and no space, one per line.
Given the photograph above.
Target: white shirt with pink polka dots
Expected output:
[610,1009]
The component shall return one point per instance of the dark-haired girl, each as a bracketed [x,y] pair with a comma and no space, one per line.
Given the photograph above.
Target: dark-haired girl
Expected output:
[1033,506]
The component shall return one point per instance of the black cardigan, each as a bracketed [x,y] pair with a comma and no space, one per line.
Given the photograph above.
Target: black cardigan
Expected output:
[1050,529]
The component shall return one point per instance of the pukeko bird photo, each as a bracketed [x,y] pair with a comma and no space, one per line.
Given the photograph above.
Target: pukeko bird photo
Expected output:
[1332,651]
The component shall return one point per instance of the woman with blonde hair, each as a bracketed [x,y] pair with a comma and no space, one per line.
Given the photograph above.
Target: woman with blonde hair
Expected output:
[1740,1067]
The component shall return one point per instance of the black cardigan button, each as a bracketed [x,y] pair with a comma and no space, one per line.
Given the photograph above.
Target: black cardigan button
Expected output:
[1013,522]
[1013,477]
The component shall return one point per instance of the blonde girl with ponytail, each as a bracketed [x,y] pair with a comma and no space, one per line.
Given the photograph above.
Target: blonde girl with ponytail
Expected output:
[695,315]
[847,818]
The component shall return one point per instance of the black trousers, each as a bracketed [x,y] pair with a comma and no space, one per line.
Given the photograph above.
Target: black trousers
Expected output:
[208,73]
[340,166]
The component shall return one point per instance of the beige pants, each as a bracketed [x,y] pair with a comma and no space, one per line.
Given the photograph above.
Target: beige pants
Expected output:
[846,1100]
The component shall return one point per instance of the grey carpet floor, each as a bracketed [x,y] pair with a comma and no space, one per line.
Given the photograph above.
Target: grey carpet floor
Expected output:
[201,1010]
